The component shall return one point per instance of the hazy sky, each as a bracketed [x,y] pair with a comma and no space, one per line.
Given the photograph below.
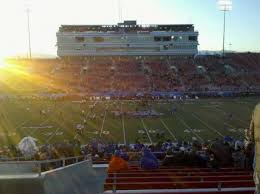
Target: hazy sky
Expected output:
[243,22]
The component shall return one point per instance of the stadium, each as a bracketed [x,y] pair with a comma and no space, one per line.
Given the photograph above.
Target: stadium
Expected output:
[84,121]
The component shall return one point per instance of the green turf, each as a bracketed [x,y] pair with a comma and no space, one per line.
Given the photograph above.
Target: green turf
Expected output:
[210,116]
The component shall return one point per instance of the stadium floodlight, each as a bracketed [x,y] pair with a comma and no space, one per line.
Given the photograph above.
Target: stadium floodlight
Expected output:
[29,32]
[120,11]
[224,5]
[27,5]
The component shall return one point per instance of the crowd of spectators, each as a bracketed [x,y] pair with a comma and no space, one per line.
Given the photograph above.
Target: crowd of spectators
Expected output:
[212,154]
[215,154]
[148,74]
[238,71]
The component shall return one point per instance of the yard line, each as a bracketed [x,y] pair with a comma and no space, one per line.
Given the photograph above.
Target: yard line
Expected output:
[225,113]
[166,127]
[50,116]
[184,123]
[102,126]
[233,127]
[235,117]
[148,135]
[32,132]
[123,123]
[21,125]
[212,127]
[209,127]
[47,141]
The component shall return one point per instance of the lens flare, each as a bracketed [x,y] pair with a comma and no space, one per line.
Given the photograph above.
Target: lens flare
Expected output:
[3,63]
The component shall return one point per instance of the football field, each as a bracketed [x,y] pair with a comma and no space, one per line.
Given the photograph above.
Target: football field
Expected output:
[52,121]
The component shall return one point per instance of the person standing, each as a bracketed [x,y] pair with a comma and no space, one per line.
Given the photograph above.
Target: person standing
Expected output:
[149,161]
[117,163]
[253,138]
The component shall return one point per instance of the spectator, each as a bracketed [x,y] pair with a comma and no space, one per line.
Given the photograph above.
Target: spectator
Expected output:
[222,152]
[117,163]
[100,149]
[123,154]
[253,138]
[238,158]
[169,158]
[149,161]
[213,162]
[249,156]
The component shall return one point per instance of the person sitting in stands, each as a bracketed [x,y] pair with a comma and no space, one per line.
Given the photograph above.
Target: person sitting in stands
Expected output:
[238,158]
[117,163]
[149,161]
[123,154]
[222,152]
[169,158]
[213,162]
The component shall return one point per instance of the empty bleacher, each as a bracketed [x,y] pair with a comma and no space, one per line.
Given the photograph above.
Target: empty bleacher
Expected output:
[180,180]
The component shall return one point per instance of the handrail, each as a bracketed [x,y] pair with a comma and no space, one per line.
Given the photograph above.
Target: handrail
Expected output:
[40,164]
[40,161]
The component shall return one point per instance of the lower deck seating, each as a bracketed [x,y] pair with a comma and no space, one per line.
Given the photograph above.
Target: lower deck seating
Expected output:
[180,180]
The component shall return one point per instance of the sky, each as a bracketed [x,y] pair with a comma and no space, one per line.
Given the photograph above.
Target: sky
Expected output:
[242,34]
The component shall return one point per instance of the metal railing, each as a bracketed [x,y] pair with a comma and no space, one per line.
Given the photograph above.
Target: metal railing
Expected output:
[40,166]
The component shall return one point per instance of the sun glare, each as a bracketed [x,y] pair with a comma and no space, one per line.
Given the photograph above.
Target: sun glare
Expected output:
[3,63]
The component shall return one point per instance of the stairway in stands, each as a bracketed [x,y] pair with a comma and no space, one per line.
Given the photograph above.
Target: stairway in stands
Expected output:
[180,180]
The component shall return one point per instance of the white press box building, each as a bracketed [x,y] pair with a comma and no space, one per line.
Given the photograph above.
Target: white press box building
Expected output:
[126,39]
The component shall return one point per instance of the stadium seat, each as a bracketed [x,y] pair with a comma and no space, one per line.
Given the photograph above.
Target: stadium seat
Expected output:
[136,180]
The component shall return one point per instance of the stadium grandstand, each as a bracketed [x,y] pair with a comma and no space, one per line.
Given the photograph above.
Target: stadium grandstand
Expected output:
[150,75]
[100,82]
[126,39]
[130,109]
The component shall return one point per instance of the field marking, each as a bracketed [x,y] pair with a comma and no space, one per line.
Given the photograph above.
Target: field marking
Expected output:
[31,133]
[123,123]
[233,128]
[6,125]
[87,117]
[183,122]
[148,135]
[20,126]
[225,123]
[166,127]
[50,116]
[225,113]
[47,141]
[235,117]
[209,127]
[190,128]
[102,126]
[196,116]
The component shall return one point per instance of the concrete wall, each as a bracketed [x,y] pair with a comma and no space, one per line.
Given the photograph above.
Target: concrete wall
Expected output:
[75,179]
[17,168]
[80,178]
[17,185]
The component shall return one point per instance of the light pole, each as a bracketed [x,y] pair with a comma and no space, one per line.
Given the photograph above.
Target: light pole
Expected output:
[29,33]
[224,5]
[119,11]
